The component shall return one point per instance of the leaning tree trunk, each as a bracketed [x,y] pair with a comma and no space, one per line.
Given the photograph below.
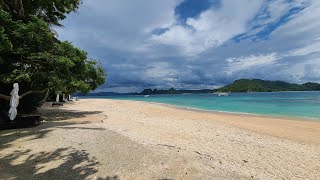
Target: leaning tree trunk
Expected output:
[5,97]
[45,97]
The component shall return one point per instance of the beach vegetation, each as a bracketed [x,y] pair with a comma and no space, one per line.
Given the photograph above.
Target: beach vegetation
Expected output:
[31,54]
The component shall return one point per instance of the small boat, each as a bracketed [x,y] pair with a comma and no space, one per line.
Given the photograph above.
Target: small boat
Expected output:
[223,94]
[146,95]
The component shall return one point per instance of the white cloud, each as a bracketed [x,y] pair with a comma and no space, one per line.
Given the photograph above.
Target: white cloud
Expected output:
[308,70]
[117,24]
[273,10]
[303,51]
[161,70]
[252,61]
[305,23]
[201,54]
[212,28]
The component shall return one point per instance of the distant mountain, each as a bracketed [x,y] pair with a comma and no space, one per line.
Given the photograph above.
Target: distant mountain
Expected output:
[174,91]
[103,94]
[148,92]
[258,85]
[241,85]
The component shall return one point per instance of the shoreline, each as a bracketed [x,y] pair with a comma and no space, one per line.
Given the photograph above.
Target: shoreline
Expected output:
[290,118]
[284,117]
[288,128]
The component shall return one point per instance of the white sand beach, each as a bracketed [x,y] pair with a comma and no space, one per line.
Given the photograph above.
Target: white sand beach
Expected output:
[115,139]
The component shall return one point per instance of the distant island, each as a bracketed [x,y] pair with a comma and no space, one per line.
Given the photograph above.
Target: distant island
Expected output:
[241,85]
[245,85]
[258,85]
[149,92]
[174,91]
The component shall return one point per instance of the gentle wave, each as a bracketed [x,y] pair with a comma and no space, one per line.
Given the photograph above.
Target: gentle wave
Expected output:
[278,104]
[227,112]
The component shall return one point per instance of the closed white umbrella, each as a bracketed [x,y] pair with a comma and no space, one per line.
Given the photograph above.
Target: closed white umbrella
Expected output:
[57,98]
[14,101]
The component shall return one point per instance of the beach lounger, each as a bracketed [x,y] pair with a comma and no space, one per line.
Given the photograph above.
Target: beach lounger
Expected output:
[57,103]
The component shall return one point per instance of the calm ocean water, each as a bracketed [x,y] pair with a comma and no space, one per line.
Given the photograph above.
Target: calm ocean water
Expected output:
[287,104]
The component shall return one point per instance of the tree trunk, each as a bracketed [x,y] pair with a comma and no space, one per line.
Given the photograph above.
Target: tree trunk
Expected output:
[5,97]
[30,92]
[45,97]
[18,7]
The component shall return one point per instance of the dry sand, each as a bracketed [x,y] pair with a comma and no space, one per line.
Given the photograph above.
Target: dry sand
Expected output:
[112,139]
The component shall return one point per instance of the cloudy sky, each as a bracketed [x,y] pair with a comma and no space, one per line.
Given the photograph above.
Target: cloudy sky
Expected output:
[196,44]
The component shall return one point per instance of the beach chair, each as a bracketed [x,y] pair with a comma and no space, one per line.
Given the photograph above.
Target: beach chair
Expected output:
[57,103]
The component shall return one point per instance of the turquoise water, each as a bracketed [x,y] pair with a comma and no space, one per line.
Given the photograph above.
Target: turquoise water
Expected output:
[287,104]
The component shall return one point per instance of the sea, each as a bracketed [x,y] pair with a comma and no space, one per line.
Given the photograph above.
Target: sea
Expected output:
[304,105]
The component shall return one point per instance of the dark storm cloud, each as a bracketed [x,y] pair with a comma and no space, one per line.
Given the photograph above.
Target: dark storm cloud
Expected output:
[162,44]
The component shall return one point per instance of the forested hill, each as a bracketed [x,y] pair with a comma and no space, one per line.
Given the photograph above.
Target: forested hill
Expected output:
[258,85]
[241,85]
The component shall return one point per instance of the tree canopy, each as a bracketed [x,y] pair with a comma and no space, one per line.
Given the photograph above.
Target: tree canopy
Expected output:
[31,55]
[50,11]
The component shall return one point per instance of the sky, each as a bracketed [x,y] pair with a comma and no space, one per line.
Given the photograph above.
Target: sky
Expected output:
[197,44]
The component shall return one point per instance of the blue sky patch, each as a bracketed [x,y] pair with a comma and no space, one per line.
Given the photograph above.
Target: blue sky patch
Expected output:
[264,30]
[193,8]
[159,31]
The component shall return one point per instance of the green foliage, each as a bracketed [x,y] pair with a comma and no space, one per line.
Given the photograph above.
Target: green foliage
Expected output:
[5,43]
[31,55]
[51,11]
[258,85]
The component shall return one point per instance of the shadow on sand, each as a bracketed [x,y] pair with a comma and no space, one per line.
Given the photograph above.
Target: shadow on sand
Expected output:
[68,163]
[61,163]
